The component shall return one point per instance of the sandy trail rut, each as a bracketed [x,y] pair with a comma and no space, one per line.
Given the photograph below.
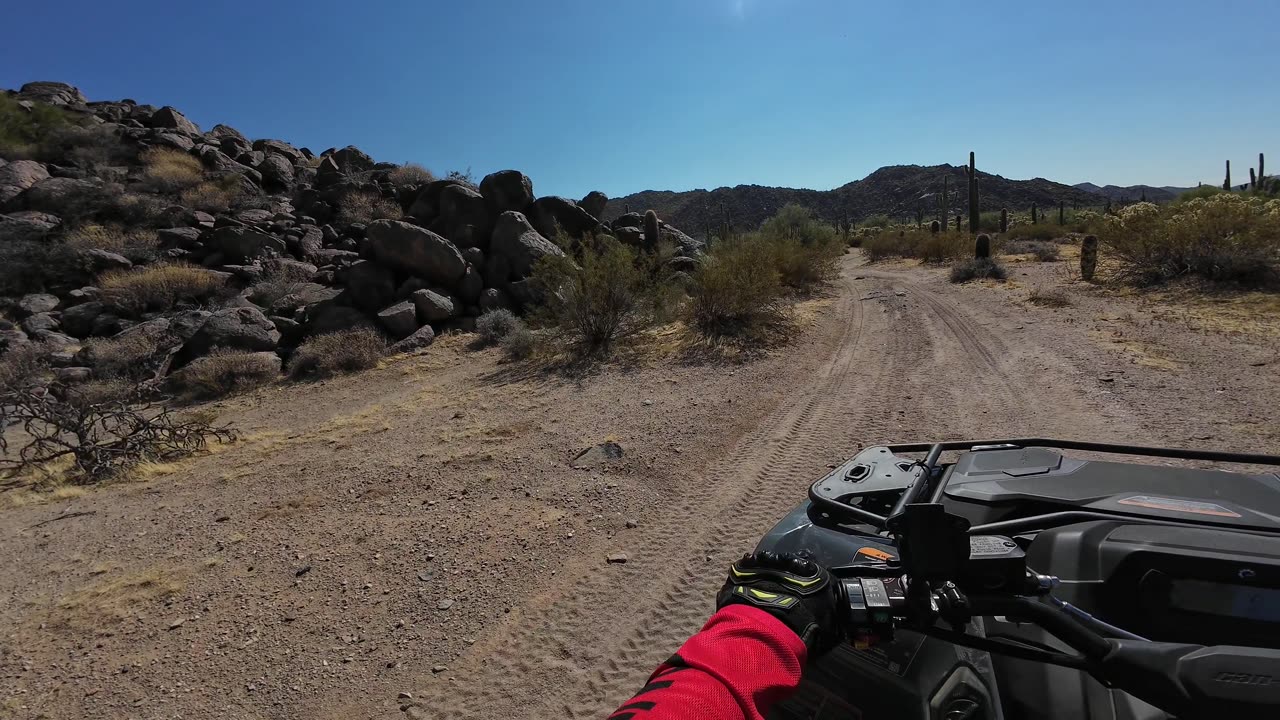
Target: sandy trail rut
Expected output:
[902,360]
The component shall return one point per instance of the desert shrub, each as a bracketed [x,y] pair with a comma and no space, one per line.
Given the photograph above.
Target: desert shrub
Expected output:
[596,301]
[367,206]
[463,176]
[1049,298]
[216,195]
[1225,238]
[139,245]
[223,372]
[159,287]
[875,221]
[127,356]
[805,249]
[411,174]
[335,353]
[737,290]
[1043,251]
[278,281]
[23,132]
[30,265]
[168,170]
[1200,193]
[914,243]
[520,343]
[104,429]
[495,325]
[1041,231]
[977,268]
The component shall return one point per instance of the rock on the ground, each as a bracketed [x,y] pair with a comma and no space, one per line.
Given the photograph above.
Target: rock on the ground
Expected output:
[11,336]
[594,203]
[18,176]
[52,93]
[186,238]
[515,248]
[463,217]
[239,328]
[168,117]
[99,261]
[616,558]
[276,172]
[506,190]
[549,214]
[433,306]
[38,303]
[422,337]
[26,226]
[78,320]
[493,299]
[597,455]
[55,194]
[416,251]
[352,159]
[400,320]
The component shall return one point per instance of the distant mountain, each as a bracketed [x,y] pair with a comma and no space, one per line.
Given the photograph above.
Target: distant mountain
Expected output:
[1134,193]
[895,191]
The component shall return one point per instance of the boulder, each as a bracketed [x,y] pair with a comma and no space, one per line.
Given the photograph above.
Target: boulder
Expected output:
[632,236]
[426,207]
[277,172]
[187,238]
[18,176]
[11,336]
[370,285]
[52,93]
[78,320]
[279,147]
[38,303]
[98,261]
[300,296]
[167,117]
[331,317]
[474,256]
[689,247]
[328,173]
[174,140]
[507,190]
[185,325]
[240,328]
[243,244]
[683,264]
[433,306]
[416,251]
[352,159]
[26,226]
[40,322]
[400,320]
[421,338]
[73,375]
[255,216]
[515,248]
[55,194]
[331,256]
[463,216]
[551,214]
[234,147]
[594,203]
[308,244]
[632,219]
[224,132]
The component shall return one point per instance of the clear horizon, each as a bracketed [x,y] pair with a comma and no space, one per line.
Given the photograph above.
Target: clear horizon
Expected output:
[667,95]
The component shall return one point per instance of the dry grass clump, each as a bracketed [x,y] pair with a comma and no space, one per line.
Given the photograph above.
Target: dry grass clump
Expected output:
[159,287]
[337,353]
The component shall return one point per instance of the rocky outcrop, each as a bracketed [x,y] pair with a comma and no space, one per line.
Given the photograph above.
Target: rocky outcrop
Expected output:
[416,251]
[515,248]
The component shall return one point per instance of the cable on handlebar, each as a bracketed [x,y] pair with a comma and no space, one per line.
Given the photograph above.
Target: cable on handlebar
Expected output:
[1092,645]
[1004,647]
[1093,623]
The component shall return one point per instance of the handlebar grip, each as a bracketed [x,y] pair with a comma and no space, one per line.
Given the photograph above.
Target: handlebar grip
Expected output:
[1192,681]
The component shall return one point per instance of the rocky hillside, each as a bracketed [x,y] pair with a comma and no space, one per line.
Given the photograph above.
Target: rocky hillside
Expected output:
[119,219]
[895,191]
[1134,193]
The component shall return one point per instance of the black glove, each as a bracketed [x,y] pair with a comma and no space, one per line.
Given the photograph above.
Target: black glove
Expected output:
[798,592]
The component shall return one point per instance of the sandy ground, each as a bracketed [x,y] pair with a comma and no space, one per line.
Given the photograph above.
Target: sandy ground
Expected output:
[413,541]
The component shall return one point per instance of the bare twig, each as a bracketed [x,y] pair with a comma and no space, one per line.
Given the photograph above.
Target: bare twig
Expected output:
[64,516]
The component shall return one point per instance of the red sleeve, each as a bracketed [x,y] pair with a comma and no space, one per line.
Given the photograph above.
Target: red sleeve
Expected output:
[737,667]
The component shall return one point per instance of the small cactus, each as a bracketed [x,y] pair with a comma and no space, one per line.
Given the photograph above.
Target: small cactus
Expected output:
[1088,257]
[651,228]
[935,227]
[982,248]
[1004,220]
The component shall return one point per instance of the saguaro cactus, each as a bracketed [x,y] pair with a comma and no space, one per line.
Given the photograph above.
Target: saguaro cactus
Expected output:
[1088,257]
[1226,184]
[1034,218]
[982,247]
[1261,169]
[942,202]
[1253,180]
[1004,220]
[651,228]
[958,217]
[1062,213]
[935,227]
[973,194]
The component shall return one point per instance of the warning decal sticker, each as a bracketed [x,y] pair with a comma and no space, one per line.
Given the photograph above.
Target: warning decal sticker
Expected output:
[1176,505]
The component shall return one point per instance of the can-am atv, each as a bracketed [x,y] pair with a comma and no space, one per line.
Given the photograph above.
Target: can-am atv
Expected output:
[1016,582]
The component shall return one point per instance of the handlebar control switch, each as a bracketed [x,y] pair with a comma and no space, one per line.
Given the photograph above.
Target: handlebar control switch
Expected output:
[872,606]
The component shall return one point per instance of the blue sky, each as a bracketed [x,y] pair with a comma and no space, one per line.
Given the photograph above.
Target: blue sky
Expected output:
[623,95]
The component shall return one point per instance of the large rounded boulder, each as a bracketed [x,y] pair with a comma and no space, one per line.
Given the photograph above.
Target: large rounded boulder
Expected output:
[551,215]
[515,248]
[416,251]
[239,328]
[507,190]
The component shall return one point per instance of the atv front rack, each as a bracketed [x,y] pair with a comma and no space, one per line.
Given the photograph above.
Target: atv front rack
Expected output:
[925,483]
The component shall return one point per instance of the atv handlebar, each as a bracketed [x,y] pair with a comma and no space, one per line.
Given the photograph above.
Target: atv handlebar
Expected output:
[1189,681]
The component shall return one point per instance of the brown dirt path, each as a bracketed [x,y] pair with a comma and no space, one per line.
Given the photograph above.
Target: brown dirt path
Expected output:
[424,515]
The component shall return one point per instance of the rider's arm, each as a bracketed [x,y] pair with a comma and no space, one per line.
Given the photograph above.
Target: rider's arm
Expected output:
[774,613]
[742,662]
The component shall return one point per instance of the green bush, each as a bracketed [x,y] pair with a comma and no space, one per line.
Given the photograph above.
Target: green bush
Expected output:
[805,250]
[598,300]
[977,268]
[921,244]
[23,132]
[520,343]
[1043,251]
[336,353]
[737,290]
[139,245]
[1228,238]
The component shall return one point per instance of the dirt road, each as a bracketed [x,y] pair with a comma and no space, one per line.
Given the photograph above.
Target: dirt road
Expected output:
[450,554]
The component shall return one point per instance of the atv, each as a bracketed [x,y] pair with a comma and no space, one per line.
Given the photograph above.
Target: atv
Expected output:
[1018,582]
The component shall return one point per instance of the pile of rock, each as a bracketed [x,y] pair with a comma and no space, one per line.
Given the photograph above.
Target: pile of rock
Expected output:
[456,251]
